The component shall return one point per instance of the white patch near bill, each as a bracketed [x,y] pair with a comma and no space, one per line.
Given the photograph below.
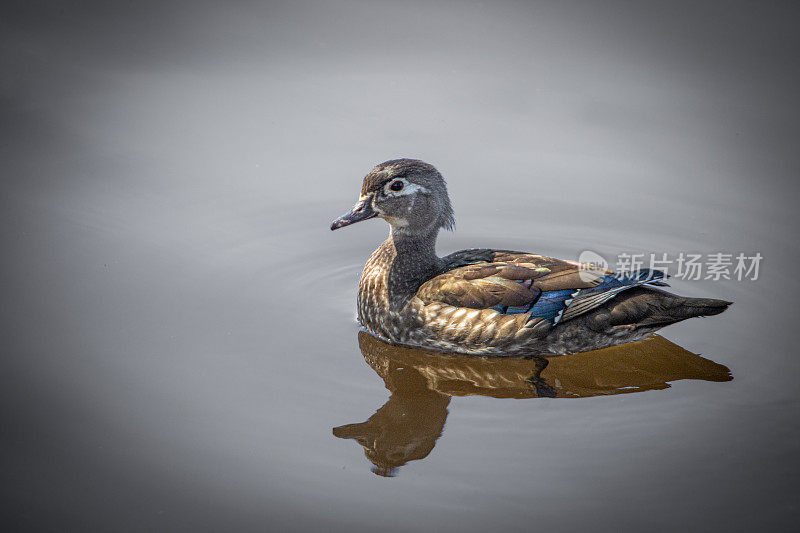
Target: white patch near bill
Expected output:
[396,222]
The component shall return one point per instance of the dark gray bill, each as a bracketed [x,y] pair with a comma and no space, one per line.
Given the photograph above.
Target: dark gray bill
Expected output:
[361,211]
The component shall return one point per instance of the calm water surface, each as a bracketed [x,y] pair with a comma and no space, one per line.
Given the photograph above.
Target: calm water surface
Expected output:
[221,378]
[179,338]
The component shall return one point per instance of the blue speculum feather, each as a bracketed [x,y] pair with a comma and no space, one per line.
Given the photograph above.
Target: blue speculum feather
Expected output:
[551,303]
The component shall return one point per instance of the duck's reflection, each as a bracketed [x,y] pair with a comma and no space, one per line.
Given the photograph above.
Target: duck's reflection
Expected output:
[421,384]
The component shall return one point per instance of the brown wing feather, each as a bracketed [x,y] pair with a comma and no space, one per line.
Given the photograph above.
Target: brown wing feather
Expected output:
[563,274]
[483,285]
[491,283]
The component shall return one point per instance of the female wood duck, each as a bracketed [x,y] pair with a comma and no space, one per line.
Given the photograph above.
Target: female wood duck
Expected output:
[492,302]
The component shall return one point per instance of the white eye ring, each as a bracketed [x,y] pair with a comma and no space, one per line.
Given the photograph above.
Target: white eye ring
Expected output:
[407,188]
[389,191]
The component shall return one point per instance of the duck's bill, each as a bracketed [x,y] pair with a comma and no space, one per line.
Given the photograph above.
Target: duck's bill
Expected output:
[361,211]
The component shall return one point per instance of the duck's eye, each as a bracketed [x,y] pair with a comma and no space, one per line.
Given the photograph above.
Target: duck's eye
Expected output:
[396,185]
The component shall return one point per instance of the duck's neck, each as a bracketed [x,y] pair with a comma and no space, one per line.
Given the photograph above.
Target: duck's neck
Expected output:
[415,262]
[417,248]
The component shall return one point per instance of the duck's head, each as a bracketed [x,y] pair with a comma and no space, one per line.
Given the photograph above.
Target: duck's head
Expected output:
[409,194]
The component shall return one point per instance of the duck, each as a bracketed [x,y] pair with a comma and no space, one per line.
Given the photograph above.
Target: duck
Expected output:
[486,301]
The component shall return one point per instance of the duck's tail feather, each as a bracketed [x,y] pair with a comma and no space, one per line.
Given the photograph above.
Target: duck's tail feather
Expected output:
[652,308]
[681,307]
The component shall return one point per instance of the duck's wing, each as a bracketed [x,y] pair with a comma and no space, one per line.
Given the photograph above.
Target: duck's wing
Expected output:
[484,300]
[482,278]
[484,285]
[521,283]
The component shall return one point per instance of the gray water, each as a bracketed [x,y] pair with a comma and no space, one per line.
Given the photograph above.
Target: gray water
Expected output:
[178,329]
